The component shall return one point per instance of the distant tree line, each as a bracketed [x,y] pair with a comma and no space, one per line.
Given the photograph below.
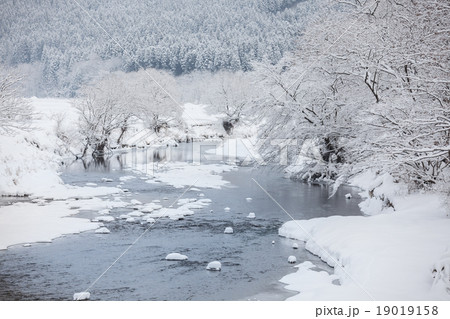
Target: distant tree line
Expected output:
[69,44]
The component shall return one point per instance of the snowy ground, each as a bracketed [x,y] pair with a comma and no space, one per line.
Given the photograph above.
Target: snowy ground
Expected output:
[387,255]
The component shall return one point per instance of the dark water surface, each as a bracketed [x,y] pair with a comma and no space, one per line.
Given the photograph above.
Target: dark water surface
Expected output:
[251,264]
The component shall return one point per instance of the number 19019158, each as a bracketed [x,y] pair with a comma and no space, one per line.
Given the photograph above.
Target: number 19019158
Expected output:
[407,310]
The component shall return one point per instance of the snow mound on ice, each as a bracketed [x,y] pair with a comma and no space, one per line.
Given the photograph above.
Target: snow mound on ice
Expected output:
[135,202]
[227,209]
[103,219]
[176,256]
[79,296]
[136,214]
[295,245]
[348,196]
[228,230]
[292,259]
[102,230]
[251,215]
[214,265]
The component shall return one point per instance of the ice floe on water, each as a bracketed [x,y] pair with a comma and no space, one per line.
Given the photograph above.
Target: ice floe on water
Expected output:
[176,257]
[126,178]
[214,266]
[135,214]
[135,202]
[102,230]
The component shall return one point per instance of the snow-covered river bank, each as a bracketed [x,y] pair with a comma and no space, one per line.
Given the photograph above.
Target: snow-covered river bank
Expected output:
[251,263]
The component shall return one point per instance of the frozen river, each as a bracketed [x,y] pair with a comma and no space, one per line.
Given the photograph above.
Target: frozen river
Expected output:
[251,263]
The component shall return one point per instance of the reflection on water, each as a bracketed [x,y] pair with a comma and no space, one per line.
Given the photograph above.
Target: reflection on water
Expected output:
[251,264]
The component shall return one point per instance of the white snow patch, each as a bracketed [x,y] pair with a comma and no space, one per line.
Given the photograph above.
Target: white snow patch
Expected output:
[29,222]
[227,209]
[390,255]
[228,230]
[214,265]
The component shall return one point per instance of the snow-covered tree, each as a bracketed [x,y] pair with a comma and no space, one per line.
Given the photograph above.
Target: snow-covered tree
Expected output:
[155,98]
[15,111]
[104,108]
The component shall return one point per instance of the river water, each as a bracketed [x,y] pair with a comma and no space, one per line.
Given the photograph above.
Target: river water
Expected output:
[251,263]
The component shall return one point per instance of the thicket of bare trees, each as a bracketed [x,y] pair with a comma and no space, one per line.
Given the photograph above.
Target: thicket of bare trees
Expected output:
[108,107]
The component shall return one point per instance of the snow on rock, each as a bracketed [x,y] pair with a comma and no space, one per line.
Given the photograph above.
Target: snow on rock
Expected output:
[149,219]
[29,222]
[176,256]
[102,230]
[273,242]
[26,245]
[292,259]
[227,209]
[348,196]
[79,296]
[295,245]
[441,274]
[126,178]
[248,199]
[123,216]
[107,180]
[228,230]
[214,266]
[251,215]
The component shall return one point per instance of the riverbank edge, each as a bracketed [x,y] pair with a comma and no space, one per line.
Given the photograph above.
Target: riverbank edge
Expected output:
[398,251]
